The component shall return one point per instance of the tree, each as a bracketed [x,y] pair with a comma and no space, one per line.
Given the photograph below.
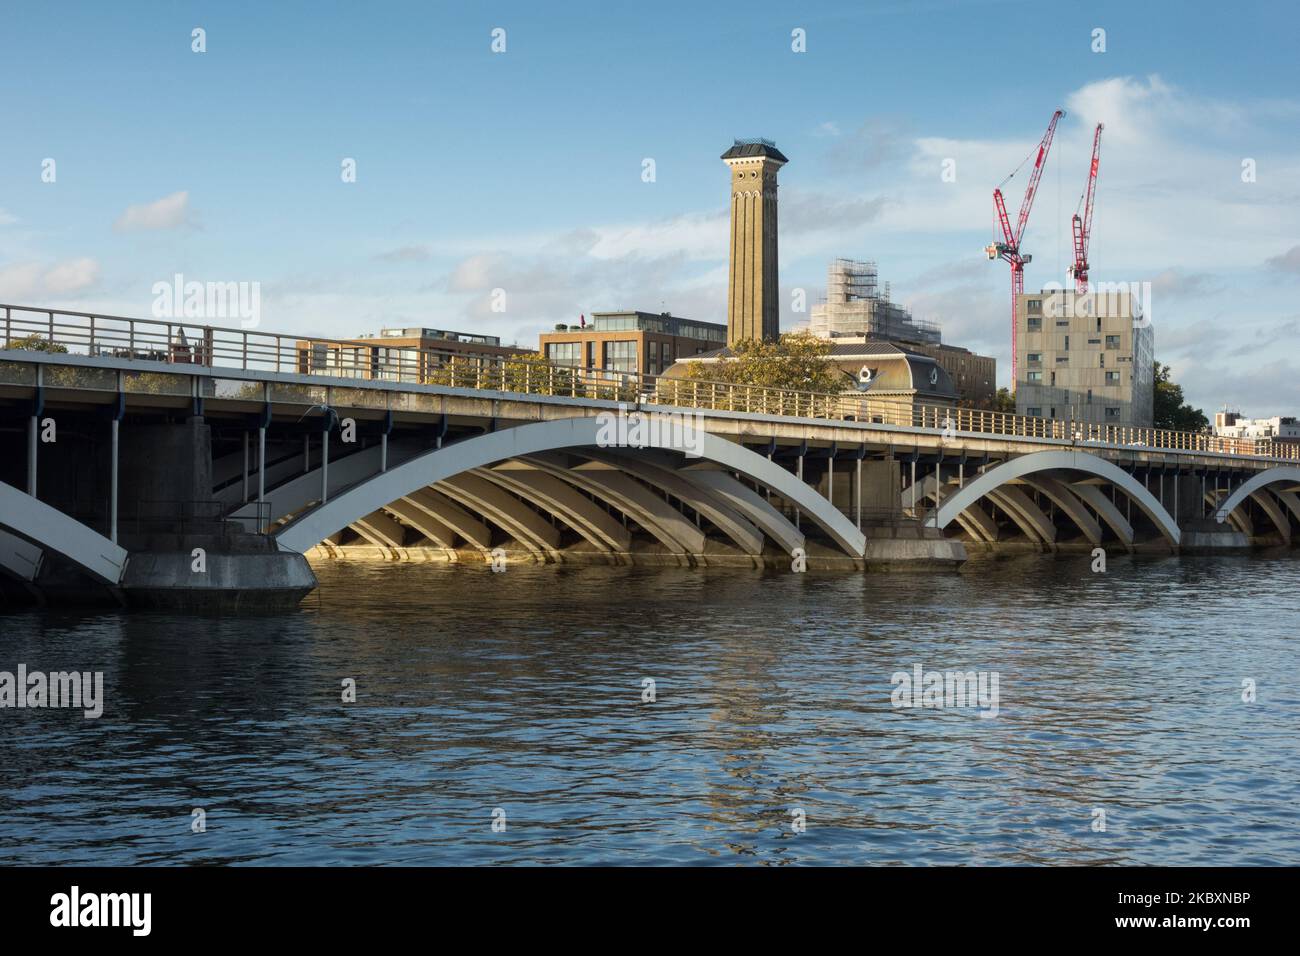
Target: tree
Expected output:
[34,343]
[798,361]
[1171,411]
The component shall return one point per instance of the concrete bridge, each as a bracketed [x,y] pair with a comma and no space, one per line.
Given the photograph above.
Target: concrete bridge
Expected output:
[177,463]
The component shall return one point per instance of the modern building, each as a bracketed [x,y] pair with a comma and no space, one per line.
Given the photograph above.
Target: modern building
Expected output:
[1085,357]
[1232,425]
[753,306]
[644,342]
[857,309]
[382,354]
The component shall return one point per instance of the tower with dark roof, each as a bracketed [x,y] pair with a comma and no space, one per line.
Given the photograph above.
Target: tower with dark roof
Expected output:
[753,311]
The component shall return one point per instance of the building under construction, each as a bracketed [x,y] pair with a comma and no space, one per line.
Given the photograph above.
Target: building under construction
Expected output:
[856,305]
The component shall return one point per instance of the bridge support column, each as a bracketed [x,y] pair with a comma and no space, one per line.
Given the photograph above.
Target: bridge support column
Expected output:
[261,463]
[857,493]
[112,483]
[32,439]
[325,466]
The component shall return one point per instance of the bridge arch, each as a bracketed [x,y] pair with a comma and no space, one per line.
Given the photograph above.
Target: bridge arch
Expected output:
[1283,474]
[54,531]
[1028,465]
[375,492]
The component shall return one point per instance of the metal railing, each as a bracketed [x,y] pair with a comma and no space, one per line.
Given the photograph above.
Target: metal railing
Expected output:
[179,342]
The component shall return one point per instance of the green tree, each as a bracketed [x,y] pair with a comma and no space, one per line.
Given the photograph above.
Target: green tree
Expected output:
[798,361]
[1170,410]
[34,343]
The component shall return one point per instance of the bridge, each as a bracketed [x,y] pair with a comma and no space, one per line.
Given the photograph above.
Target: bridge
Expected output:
[130,443]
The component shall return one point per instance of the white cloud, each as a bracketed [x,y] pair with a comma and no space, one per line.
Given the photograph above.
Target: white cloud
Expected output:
[166,213]
[33,282]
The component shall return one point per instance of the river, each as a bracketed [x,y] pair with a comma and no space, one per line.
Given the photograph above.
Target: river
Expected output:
[520,699]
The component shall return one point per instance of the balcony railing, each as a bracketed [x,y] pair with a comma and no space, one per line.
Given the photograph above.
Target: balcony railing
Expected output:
[179,342]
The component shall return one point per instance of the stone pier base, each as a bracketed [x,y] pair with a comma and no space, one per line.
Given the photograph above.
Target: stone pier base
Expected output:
[260,581]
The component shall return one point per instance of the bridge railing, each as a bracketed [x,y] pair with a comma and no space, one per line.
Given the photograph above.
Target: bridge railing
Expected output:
[474,366]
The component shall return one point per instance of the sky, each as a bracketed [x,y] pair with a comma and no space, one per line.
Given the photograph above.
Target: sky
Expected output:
[524,170]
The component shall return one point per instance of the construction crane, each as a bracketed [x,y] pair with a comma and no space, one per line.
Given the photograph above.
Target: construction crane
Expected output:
[1009,247]
[1083,224]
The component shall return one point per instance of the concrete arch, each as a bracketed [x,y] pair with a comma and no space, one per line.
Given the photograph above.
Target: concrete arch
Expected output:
[503,509]
[435,466]
[749,503]
[1096,499]
[1074,461]
[561,499]
[1070,505]
[423,522]
[452,515]
[632,498]
[974,520]
[730,522]
[54,531]
[1030,518]
[1284,474]
[1268,504]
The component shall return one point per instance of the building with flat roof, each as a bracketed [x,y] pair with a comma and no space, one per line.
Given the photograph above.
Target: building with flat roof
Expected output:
[1278,428]
[1087,358]
[383,354]
[631,341]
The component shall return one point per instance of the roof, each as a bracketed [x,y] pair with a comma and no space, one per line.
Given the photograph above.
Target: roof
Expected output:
[743,148]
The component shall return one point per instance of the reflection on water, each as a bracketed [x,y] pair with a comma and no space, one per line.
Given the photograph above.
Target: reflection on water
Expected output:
[522,691]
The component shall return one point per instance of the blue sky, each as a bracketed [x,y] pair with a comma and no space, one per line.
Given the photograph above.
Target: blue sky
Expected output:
[522,170]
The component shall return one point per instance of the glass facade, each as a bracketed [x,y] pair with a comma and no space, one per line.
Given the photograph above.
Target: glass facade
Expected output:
[563,353]
[621,356]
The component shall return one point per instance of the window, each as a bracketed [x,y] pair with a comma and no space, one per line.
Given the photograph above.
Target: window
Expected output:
[1112,341]
[1067,343]
[1112,378]
[1089,397]
[1034,357]
[1035,376]
[1101,356]
[1053,379]
[1062,359]
[1035,324]
[1094,341]
[620,356]
[1112,412]
[1034,412]
[1034,306]
[563,353]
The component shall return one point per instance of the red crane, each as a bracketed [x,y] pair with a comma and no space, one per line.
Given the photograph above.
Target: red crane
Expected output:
[1083,225]
[1009,247]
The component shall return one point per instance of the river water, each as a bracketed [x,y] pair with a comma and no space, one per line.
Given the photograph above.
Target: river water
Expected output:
[772,738]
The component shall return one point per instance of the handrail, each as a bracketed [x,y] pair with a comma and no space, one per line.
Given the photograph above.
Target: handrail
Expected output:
[181,342]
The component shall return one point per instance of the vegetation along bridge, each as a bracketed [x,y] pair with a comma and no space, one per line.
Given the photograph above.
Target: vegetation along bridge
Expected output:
[163,462]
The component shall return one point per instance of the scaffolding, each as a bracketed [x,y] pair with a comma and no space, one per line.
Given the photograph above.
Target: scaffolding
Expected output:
[856,305]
